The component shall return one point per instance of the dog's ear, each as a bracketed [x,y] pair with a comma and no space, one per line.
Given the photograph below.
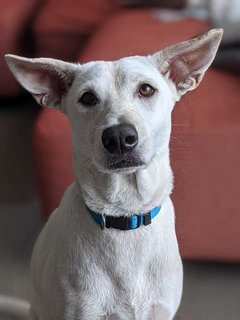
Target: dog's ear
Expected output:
[186,62]
[48,80]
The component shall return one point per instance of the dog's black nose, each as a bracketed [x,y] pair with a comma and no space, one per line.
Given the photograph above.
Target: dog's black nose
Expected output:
[120,139]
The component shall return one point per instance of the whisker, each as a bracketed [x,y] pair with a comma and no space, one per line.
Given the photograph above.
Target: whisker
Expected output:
[179,124]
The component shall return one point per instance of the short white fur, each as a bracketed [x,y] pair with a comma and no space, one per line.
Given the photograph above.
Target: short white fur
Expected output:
[80,271]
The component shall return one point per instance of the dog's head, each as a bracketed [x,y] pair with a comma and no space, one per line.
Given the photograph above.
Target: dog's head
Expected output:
[120,111]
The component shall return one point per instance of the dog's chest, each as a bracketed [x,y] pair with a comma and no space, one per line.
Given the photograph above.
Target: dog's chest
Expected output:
[121,279]
[129,295]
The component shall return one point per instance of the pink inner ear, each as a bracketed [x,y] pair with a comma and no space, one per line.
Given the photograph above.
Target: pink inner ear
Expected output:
[49,80]
[179,71]
[46,84]
[187,68]
[45,78]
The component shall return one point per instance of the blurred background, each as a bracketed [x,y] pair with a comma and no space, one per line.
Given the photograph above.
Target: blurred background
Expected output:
[35,147]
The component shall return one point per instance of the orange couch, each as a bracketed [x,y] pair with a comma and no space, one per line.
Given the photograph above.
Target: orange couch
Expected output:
[205,149]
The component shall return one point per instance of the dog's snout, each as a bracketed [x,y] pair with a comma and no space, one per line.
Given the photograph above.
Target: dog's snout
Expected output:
[120,139]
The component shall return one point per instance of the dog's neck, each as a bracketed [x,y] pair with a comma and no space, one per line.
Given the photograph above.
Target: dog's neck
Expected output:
[120,194]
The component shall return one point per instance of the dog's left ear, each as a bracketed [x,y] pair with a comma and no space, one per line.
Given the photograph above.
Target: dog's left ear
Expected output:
[48,80]
[186,62]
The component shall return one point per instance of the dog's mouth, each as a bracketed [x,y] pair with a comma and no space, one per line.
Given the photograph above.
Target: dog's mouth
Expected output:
[124,164]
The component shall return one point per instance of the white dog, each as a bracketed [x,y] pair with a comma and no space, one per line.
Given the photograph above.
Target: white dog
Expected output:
[110,250]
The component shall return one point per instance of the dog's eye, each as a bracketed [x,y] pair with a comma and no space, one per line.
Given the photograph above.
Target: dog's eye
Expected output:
[146,90]
[88,99]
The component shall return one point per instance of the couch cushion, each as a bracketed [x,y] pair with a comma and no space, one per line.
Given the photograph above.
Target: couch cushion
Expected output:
[14,19]
[132,32]
[53,157]
[61,27]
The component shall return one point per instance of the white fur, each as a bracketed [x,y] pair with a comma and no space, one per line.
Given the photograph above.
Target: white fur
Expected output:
[80,271]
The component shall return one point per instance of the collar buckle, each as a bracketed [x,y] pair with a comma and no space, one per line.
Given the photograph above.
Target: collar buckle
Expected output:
[103,221]
[147,219]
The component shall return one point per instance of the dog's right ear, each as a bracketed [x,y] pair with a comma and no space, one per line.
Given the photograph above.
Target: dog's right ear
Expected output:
[48,80]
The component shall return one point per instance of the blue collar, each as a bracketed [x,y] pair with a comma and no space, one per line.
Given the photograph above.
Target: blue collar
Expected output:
[124,223]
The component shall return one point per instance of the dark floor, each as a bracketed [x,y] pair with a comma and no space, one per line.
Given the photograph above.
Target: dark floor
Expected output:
[211,290]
